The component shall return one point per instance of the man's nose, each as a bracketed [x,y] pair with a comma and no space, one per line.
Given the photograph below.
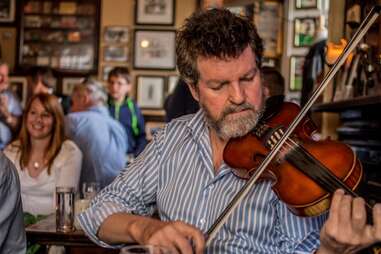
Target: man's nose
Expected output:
[237,94]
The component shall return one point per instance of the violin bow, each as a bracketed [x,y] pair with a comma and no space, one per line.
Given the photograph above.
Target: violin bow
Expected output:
[225,214]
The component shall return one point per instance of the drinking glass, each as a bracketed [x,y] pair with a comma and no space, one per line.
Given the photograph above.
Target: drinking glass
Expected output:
[144,249]
[64,209]
[90,189]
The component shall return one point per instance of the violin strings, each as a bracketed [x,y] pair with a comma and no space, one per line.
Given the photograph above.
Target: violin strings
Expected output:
[327,177]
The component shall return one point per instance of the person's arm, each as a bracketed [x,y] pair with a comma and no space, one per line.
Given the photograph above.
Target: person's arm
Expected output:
[346,230]
[70,165]
[295,234]
[116,215]
[12,232]
[10,119]
[129,228]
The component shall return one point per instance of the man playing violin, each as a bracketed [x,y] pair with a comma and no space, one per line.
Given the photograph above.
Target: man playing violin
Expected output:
[182,175]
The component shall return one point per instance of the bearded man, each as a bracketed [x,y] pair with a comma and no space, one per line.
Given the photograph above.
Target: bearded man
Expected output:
[182,175]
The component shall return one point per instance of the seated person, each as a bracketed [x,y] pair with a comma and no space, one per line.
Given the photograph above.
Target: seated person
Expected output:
[125,110]
[102,140]
[180,102]
[182,173]
[12,232]
[41,80]
[10,108]
[43,157]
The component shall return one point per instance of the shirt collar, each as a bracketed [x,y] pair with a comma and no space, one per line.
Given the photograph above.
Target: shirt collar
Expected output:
[99,109]
[199,130]
[197,124]
[112,102]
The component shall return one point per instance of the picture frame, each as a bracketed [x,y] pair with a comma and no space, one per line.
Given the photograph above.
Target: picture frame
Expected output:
[115,54]
[267,17]
[116,34]
[105,71]
[154,49]
[304,31]
[150,91]
[68,85]
[7,11]
[296,73]
[19,86]
[306,4]
[155,12]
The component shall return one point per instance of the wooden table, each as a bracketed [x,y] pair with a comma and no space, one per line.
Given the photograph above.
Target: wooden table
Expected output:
[44,232]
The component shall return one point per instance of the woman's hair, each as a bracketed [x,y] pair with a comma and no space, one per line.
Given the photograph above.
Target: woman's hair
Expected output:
[53,107]
[214,33]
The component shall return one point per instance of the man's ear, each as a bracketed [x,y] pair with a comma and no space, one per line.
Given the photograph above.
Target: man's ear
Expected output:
[266,91]
[194,91]
[86,99]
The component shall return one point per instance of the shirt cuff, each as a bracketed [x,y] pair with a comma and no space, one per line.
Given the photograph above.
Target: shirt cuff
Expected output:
[91,219]
[309,244]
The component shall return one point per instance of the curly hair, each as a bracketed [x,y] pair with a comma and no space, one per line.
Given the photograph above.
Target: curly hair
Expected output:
[214,33]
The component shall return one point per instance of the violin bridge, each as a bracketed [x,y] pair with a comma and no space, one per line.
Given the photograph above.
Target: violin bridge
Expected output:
[273,137]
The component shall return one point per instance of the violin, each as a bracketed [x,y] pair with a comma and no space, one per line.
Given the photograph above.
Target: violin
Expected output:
[282,148]
[305,171]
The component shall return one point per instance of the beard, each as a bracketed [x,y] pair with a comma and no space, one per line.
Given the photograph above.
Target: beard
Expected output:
[228,125]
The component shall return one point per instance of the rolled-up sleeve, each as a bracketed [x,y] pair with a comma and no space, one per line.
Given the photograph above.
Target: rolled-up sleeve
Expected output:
[133,191]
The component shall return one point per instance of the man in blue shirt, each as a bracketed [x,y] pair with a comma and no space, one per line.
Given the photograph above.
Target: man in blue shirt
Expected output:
[125,110]
[182,173]
[101,139]
[10,108]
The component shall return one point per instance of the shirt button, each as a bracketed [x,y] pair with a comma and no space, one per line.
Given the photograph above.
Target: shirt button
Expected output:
[202,221]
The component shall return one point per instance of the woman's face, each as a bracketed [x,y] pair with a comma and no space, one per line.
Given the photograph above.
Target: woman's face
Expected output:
[39,121]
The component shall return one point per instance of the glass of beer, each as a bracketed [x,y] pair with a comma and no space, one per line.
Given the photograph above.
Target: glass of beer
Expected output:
[65,209]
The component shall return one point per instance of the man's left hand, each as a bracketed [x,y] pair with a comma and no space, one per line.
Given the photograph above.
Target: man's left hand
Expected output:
[346,230]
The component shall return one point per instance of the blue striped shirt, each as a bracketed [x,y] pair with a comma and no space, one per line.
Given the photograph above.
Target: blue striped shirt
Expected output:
[175,175]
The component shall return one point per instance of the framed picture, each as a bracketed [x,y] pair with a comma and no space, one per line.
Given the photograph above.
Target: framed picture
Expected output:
[115,54]
[7,10]
[68,85]
[172,82]
[306,4]
[267,17]
[105,71]
[116,34]
[150,91]
[19,86]
[304,31]
[154,49]
[155,12]
[296,73]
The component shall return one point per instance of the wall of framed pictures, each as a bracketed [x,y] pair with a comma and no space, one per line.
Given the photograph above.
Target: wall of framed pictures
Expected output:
[140,35]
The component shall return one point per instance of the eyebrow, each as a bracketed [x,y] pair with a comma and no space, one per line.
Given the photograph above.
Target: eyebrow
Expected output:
[254,70]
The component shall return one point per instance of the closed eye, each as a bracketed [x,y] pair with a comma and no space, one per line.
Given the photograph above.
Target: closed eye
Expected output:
[219,86]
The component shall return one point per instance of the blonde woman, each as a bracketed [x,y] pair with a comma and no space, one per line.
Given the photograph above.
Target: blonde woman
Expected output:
[44,158]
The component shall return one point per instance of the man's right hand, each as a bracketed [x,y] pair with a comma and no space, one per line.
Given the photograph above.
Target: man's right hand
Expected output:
[177,236]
